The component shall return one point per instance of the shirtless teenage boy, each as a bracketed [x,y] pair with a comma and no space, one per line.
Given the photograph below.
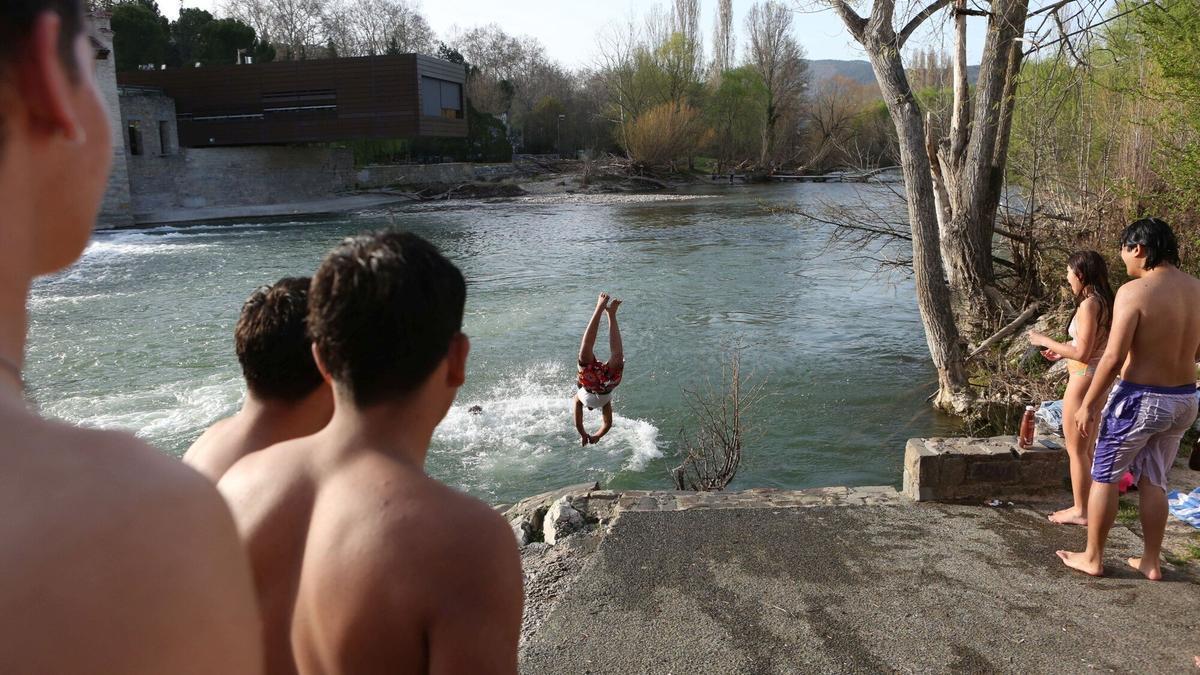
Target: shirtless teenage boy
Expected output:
[286,396]
[363,563]
[597,379]
[116,558]
[1154,343]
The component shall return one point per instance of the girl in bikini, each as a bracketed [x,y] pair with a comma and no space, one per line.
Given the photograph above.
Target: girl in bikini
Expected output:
[1087,275]
[597,379]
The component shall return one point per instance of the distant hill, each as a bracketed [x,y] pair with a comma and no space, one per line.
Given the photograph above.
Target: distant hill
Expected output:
[859,71]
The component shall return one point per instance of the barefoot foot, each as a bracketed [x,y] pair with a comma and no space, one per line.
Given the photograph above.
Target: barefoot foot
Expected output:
[1079,561]
[1148,569]
[602,301]
[1068,516]
[612,306]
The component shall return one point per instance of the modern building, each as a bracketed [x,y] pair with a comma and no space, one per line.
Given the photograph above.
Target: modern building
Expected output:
[370,97]
[251,135]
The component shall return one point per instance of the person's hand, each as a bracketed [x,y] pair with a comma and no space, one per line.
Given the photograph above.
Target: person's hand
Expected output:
[594,439]
[1037,339]
[1083,420]
[585,439]
[1051,356]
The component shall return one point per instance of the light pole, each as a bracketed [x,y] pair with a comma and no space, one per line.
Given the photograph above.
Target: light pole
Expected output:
[558,134]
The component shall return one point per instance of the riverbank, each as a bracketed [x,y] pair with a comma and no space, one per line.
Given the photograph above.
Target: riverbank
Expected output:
[839,579]
[564,182]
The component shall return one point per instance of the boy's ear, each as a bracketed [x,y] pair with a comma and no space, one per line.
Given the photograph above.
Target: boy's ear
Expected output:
[45,83]
[320,364]
[456,372]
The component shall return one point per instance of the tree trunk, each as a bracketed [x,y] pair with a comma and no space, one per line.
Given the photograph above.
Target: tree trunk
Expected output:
[976,182]
[933,294]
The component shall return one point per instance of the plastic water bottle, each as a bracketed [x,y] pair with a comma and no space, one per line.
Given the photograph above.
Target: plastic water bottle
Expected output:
[1025,440]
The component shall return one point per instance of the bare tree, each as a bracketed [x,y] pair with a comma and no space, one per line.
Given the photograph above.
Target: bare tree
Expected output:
[297,26]
[713,451]
[373,27]
[257,14]
[723,38]
[629,92]
[832,113]
[779,60]
[294,26]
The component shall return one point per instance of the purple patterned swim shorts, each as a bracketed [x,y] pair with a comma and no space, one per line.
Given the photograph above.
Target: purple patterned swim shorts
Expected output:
[1141,431]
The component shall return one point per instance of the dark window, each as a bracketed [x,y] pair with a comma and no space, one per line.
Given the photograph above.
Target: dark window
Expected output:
[300,100]
[440,98]
[164,138]
[135,139]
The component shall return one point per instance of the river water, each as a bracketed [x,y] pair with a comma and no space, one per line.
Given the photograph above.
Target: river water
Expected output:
[138,335]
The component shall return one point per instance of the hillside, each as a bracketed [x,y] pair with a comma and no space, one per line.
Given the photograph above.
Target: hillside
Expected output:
[859,71]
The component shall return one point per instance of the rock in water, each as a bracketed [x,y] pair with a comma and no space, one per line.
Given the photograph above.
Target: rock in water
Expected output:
[561,520]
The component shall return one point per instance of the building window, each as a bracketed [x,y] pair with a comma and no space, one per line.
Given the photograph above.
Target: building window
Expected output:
[441,98]
[164,138]
[135,139]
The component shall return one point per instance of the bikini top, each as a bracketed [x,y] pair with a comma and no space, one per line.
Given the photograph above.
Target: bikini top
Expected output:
[1098,351]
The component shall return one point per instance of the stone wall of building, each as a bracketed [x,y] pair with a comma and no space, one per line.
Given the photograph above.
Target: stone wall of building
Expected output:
[148,119]
[116,209]
[236,176]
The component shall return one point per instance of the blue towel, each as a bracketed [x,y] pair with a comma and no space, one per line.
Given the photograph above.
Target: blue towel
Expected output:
[1050,416]
[1185,507]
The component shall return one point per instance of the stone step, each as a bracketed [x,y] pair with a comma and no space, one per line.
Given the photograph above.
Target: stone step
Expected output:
[756,498]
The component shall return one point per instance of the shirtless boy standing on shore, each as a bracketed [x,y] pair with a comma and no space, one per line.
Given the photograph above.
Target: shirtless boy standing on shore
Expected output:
[114,557]
[286,396]
[363,563]
[1154,343]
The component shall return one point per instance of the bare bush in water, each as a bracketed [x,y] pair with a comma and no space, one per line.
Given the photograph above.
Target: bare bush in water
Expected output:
[712,452]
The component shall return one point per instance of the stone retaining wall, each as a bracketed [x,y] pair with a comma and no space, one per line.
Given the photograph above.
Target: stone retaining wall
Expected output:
[982,468]
[235,176]
[552,515]
[389,175]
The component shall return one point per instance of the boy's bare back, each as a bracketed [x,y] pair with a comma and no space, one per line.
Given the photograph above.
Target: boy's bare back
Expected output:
[364,564]
[1159,316]
[108,542]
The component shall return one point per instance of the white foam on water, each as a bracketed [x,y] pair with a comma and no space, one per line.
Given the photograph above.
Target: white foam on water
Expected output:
[42,301]
[527,420]
[166,415]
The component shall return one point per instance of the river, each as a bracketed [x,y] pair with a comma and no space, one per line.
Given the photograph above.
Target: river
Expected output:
[138,334]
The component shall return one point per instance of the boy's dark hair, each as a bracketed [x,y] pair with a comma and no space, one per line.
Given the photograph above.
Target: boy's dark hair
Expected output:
[272,341]
[383,310]
[16,27]
[1155,235]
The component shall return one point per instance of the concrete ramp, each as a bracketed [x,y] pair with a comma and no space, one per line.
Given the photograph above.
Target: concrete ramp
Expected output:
[894,587]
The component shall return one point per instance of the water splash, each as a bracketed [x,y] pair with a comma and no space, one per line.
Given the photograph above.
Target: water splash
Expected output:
[524,427]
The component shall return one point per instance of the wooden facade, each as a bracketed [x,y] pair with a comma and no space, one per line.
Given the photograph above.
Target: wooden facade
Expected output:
[370,97]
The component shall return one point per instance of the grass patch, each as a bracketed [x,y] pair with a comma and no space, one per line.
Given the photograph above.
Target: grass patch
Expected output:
[1127,512]
[1190,553]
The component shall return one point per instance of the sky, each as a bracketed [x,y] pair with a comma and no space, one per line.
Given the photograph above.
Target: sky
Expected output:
[570,29]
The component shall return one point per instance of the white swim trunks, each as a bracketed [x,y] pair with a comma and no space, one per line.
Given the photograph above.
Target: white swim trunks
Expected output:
[592,400]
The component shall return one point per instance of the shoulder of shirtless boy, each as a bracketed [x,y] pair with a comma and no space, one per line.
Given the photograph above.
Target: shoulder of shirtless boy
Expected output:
[107,539]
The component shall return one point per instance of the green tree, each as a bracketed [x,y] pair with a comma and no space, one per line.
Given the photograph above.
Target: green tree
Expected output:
[186,33]
[543,126]
[736,110]
[1170,32]
[140,34]
[221,40]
